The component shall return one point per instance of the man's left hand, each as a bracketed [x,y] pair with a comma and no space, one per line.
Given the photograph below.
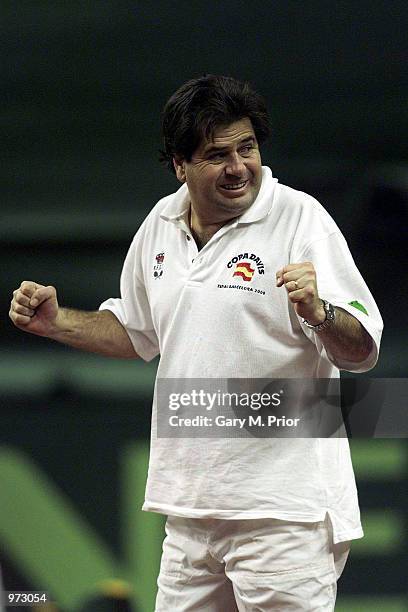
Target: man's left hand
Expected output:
[300,283]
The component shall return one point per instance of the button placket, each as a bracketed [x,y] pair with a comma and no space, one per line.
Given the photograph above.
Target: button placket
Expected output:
[192,250]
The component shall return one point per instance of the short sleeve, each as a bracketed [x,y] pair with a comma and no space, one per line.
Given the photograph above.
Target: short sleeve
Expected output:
[340,282]
[132,309]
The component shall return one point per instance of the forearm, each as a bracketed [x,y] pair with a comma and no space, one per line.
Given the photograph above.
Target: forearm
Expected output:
[98,332]
[346,339]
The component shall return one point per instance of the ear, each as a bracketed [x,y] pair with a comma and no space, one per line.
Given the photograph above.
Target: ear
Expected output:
[179,167]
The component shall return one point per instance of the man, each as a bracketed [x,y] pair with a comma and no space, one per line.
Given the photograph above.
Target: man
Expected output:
[235,277]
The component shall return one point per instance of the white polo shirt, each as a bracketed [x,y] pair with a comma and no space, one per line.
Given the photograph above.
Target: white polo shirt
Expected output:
[217,313]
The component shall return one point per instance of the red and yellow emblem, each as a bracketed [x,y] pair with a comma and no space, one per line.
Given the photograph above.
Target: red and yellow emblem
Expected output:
[243,269]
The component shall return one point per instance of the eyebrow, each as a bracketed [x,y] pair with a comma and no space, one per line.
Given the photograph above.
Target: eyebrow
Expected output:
[215,149]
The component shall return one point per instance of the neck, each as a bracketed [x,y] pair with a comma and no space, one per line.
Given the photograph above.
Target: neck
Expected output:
[202,231]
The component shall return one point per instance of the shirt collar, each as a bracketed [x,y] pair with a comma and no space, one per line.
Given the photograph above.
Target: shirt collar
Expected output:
[177,208]
[263,203]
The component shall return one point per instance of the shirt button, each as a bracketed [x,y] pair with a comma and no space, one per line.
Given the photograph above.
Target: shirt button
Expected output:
[188,237]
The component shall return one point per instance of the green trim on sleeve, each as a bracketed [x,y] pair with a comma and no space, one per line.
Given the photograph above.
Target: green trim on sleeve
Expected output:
[358,306]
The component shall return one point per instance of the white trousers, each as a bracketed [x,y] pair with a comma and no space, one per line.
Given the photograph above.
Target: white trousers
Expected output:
[211,565]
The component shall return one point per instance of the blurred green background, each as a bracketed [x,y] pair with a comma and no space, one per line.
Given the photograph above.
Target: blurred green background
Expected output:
[84,84]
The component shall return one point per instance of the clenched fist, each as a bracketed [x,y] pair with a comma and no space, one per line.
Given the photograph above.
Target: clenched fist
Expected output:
[300,283]
[34,308]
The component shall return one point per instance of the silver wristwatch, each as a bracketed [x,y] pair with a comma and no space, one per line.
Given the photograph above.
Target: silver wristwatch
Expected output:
[329,320]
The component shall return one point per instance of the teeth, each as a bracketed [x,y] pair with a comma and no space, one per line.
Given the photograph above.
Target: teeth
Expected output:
[236,186]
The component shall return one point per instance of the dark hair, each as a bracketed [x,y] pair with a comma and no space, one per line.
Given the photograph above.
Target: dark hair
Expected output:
[200,106]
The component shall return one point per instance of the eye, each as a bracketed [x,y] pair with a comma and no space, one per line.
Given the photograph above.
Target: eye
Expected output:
[246,150]
[216,156]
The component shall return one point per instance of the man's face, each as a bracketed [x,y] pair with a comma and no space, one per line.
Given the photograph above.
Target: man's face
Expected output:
[224,175]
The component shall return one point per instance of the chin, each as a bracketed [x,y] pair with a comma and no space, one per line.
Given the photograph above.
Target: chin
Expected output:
[236,206]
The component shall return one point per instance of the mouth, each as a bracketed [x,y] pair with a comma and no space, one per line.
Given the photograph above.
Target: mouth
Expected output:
[234,187]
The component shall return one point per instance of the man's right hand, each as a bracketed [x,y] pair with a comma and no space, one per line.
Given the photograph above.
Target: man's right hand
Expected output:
[34,308]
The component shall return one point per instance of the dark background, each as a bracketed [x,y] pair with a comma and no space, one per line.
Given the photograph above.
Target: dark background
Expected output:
[83,86]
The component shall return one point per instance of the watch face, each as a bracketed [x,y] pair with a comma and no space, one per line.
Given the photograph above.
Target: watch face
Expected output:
[330,311]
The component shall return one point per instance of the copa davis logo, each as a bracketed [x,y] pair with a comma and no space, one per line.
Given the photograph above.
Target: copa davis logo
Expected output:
[245,266]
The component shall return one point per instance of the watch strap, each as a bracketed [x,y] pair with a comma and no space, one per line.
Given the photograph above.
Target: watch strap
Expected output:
[329,320]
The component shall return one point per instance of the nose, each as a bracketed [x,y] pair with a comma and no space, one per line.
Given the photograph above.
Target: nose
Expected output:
[235,165]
